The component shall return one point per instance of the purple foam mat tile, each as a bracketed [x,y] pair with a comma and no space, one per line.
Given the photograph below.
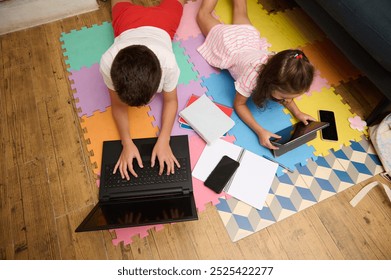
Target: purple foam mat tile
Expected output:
[200,65]
[184,92]
[91,92]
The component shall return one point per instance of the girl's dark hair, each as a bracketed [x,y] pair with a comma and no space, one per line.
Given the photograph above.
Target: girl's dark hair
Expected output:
[288,71]
[136,75]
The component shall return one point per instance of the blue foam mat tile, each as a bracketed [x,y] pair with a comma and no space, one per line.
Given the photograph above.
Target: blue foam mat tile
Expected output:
[272,117]
[220,87]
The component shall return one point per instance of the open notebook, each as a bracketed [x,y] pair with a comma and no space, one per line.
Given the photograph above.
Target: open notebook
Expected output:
[251,181]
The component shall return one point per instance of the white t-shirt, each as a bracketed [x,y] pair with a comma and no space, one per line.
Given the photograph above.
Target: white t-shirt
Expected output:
[158,41]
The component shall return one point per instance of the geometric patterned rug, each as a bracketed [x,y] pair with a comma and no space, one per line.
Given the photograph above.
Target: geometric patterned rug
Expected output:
[320,170]
[308,185]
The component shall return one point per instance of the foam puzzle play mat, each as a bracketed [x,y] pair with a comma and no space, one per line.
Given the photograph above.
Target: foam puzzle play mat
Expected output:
[320,168]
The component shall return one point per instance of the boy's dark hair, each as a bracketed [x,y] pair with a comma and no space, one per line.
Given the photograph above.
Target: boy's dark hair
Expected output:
[288,71]
[136,75]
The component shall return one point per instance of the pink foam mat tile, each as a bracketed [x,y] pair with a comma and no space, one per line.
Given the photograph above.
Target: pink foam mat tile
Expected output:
[318,83]
[125,234]
[188,26]
[202,194]
[90,90]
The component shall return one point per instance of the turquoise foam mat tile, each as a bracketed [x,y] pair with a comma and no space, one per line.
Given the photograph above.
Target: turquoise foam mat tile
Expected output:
[188,73]
[85,47]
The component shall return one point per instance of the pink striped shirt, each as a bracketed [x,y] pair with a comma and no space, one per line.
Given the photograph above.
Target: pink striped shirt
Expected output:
[240,50]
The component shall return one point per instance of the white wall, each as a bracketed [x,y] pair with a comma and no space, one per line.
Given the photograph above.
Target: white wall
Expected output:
[20,14]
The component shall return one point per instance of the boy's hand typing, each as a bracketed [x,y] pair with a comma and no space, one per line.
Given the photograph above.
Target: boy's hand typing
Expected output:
[125,161]
[162,151]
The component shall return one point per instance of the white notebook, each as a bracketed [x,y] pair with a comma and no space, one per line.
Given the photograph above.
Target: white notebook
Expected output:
[251,181]
[208,120]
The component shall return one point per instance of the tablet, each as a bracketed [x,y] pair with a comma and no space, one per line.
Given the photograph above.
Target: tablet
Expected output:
[296,135]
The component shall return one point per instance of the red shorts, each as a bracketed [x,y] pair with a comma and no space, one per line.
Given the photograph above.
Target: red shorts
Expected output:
[166,16]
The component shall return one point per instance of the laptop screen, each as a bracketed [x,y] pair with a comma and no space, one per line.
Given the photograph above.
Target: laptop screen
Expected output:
[139,212]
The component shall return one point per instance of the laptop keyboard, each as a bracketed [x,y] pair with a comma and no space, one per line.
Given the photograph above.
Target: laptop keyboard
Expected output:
[146,176]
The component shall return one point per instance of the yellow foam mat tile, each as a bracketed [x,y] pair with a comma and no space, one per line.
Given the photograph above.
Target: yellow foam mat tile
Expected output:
[101,127]
[283,30]
[290,29]
[327,99]
[331,62]
[223,10]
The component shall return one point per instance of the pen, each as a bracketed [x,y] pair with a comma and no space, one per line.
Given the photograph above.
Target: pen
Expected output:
[280,164]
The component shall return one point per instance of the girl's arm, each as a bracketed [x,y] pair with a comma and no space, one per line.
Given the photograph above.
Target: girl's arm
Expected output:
[246,116]
[292,107]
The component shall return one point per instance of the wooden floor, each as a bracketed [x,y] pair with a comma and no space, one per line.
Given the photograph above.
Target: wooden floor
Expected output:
[47,185]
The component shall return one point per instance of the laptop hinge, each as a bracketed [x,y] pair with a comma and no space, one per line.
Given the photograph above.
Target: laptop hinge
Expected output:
[186,191]
[145,193]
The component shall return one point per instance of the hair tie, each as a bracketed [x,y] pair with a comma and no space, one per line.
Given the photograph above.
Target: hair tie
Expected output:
[298,56]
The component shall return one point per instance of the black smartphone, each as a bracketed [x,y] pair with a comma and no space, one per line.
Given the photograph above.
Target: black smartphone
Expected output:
[330,132]
[221,174]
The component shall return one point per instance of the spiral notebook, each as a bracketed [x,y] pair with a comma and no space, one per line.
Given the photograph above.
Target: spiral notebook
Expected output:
[251,181]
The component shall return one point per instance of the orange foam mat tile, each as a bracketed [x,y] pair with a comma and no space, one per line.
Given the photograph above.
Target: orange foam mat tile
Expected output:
[331,62]
[272,6]
[101,127]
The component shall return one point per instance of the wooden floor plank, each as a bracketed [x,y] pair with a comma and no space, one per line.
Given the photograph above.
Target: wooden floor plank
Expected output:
[220,238]
[38,213]
[203,236]
[342,224]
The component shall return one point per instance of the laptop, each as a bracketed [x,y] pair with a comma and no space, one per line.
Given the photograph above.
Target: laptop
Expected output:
[148,199]
[296,135]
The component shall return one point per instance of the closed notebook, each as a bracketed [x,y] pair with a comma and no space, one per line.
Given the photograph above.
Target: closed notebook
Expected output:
[208,120]
[226,110]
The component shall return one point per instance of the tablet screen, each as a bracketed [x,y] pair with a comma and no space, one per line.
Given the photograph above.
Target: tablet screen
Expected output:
[297,131]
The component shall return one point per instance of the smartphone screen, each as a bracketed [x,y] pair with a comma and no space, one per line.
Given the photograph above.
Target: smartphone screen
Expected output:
[330,132]
[221,174]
